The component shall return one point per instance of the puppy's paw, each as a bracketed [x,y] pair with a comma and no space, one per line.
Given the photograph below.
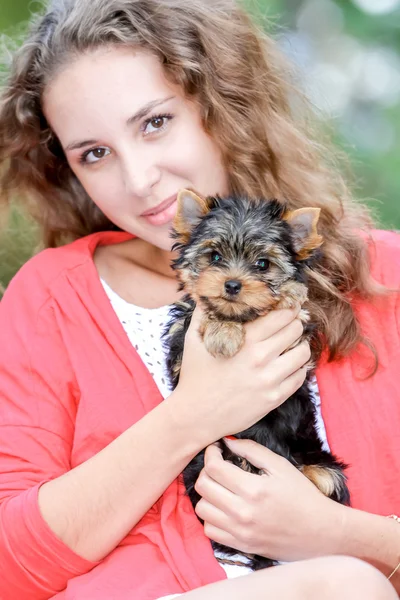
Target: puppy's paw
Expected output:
[304,315]
[222,339]
[293,294]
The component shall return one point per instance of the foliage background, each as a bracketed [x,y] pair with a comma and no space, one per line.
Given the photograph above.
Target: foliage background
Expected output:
[348,57]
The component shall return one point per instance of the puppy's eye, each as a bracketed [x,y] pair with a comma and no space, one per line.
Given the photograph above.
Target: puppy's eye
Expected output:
[262,264]
[215,257]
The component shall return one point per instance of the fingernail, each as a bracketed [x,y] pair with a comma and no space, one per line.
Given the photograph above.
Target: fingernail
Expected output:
[230,437]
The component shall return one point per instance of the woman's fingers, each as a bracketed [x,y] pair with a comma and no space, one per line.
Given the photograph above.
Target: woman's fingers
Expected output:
[291,384]
[219,478]
[217,491]
[221,482]
[209,513]
[259,456]
[287,374]
[279,342]
[288,363]
[265,327]
[220,535]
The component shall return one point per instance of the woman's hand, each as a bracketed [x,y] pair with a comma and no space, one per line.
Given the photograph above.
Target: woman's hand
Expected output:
[222,396]
[280,515]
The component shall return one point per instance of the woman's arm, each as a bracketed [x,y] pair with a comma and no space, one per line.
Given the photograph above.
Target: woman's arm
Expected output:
[284,516]
[94,506]
[373,538]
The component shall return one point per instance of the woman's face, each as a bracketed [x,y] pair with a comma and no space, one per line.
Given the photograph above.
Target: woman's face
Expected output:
[132,139]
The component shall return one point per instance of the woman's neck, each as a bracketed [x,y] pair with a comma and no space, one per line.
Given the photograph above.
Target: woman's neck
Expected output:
[150,257]
[138,272]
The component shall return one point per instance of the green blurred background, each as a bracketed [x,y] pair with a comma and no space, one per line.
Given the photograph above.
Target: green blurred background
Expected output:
[348,57]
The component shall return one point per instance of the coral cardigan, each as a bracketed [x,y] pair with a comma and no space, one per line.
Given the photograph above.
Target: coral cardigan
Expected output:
[70,383]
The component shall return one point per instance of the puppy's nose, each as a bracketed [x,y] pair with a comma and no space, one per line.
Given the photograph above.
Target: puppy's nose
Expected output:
[233,287]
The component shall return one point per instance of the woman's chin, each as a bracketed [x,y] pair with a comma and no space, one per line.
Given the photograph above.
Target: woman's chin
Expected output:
[162,241]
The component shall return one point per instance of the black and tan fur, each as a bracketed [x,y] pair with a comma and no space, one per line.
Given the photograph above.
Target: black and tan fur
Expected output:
[240,259]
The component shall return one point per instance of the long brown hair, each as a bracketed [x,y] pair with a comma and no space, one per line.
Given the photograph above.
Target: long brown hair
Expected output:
[221,58]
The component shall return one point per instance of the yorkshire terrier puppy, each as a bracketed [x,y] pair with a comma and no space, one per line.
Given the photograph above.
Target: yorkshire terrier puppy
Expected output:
[240,259]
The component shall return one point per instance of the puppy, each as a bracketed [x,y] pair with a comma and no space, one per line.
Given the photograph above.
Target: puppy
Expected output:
[240,259]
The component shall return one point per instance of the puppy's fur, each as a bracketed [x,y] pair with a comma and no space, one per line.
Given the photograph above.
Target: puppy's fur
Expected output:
[241,259]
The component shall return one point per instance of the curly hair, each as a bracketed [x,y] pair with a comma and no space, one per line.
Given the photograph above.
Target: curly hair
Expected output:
[226,62]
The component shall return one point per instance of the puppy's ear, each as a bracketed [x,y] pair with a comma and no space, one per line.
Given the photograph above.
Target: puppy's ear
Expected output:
[191,208]
[303,223]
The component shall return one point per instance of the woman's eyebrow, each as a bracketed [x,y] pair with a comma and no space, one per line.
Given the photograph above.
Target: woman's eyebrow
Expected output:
[76,145]
[140,114]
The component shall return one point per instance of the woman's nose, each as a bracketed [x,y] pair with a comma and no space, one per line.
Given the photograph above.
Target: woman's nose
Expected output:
[140,175]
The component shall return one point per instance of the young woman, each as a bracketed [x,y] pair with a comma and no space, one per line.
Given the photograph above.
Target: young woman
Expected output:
[111,107]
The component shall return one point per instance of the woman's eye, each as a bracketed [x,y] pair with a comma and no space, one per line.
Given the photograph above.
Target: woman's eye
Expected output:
[95,154]
[215,257]
[156,124]
[262,264]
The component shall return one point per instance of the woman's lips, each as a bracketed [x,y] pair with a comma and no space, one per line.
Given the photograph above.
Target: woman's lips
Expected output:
[161,214]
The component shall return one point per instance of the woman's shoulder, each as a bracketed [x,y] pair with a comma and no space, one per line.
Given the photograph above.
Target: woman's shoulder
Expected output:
[44,268]
[384,250]
[389,238]
[41,274]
